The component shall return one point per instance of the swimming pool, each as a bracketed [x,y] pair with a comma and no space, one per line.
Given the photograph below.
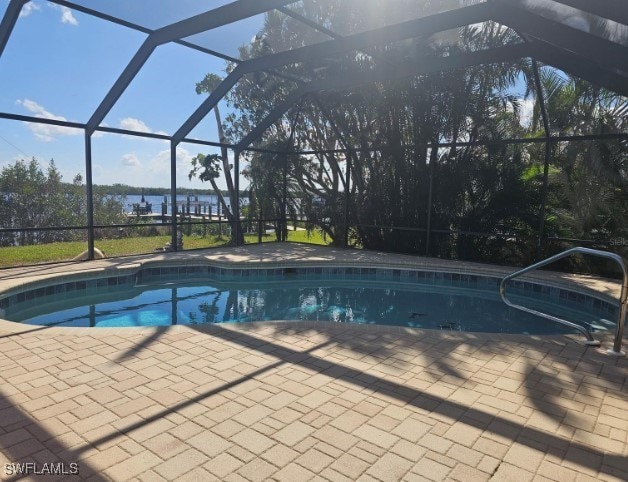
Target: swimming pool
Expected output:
[192,294]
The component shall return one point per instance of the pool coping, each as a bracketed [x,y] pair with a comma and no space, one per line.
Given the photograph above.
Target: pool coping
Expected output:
[293,256]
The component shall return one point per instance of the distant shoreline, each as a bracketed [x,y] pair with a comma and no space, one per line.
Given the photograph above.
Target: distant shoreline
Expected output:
[124,190]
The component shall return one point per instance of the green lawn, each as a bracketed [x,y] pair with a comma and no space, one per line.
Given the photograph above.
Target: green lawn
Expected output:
[46,253]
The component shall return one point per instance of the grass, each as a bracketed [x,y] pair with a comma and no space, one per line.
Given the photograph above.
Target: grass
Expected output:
[54,252]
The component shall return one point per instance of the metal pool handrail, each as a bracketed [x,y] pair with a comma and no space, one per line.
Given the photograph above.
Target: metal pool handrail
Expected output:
[616,351]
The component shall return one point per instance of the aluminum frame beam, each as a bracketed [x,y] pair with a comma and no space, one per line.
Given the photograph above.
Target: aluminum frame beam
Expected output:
[392,33]
[530,140]
[89,193]
[139,28]
[9,20]
[574,64]
[608,55]
[173,193]
[306,21]
[540,95]
[426,65]
[114,130]
[614,10]
[621,136]
[212,19]
[603,53]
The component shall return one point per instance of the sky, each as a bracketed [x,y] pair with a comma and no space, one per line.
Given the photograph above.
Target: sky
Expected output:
[60,64]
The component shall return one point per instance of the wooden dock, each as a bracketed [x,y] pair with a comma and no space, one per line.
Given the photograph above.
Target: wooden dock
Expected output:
[156,217]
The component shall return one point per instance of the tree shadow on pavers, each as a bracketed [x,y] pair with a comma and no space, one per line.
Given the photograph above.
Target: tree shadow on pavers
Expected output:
[392,348]
[31,450]
[544,386]
[452,352]
[485,418]
[269,252]
[306,253]
[562,385]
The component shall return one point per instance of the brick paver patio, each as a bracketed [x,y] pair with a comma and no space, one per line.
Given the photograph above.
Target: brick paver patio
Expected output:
[308,401]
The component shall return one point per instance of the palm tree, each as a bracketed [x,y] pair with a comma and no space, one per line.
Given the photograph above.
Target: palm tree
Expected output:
[590,177]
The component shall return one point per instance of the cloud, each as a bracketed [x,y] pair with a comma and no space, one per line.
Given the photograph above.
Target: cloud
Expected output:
[29,8]
[145,168]
[131,160]
[132,124]
[46,132]
[137,125]
[148,168]
[161,162]
[68,17]
[184,160]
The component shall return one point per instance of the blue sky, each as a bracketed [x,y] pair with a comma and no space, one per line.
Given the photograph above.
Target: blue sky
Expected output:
[61,63]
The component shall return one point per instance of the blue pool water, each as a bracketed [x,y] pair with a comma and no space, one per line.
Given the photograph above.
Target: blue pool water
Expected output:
[461,304]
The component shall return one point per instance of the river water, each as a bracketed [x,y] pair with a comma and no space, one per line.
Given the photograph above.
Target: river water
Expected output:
[182,199]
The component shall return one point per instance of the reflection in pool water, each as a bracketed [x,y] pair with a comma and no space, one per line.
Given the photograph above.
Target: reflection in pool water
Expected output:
[450,309]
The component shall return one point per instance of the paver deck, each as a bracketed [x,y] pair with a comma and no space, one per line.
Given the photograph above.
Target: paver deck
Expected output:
[308,401]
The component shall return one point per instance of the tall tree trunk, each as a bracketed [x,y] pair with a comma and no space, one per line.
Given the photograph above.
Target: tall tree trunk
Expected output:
[233,197]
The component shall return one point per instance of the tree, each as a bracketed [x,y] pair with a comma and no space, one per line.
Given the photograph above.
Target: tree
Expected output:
[385,130]
[32,198]
[588,180]
[390,123]
[208,168]
[272,182]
